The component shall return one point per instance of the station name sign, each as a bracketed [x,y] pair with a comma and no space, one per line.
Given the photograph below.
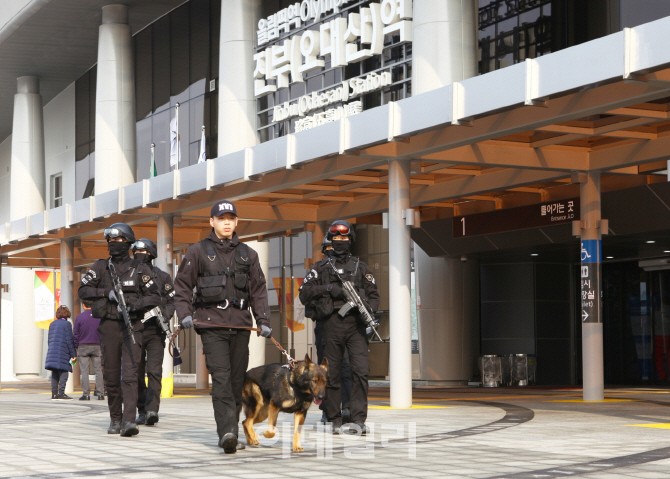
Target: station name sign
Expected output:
[342,40]
[522,217]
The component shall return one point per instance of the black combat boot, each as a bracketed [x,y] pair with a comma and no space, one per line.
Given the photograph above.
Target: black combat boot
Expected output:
[114,427]
[129,428]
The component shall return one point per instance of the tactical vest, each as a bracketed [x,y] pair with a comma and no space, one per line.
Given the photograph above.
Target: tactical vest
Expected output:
[130,285]
[350,271]
[218,281]
[324,306]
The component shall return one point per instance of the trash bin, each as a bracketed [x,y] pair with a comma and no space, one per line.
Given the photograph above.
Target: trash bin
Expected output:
[490,367]
[521,369]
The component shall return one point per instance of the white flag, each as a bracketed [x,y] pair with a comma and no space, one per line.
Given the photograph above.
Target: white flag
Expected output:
[203,152]
[175,144]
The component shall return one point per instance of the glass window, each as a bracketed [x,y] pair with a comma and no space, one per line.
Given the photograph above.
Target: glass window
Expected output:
[199,46]
[143,75]
[179,53]
[56,190]
[143,149]
[161,64]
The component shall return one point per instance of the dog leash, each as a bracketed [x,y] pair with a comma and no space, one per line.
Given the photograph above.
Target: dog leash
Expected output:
[291,361]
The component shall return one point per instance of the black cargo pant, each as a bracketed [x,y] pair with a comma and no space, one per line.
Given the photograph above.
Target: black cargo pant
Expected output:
[119,352]
[346,334]
[227,356]
[151,363]
[345,370]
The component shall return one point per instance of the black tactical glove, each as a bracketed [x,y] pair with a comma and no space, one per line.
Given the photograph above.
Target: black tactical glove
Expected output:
[335,290]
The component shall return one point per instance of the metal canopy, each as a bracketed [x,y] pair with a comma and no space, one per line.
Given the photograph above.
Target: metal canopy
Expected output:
[507,138]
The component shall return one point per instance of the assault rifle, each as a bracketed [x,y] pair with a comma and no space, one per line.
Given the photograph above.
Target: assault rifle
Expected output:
[162,322]
[123,308]
[354,301]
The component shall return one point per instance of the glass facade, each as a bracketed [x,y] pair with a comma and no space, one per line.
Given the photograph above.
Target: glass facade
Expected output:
[396,58]
[512,30]
[176,61]
[85,134]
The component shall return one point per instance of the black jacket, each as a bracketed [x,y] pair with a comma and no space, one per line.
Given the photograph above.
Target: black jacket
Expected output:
[314,286]
[166,289]
[141,296]
[210,317]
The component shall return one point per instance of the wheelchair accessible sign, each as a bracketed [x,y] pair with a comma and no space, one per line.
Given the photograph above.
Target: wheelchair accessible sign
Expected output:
[591,256]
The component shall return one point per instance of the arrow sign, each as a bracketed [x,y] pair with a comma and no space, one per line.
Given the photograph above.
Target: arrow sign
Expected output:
[584,315]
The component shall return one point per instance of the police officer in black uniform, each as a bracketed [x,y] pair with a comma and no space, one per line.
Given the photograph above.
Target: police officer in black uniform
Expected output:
[320,341]
[228,280]
[153,344]
[323,286]
[119,352]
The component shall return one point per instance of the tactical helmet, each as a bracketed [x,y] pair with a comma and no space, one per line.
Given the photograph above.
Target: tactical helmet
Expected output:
[341,228]
[119,230]
[147,245]
[325,243]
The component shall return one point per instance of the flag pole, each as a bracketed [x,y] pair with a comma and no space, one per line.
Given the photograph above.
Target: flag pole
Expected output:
[178,145]
[152,166]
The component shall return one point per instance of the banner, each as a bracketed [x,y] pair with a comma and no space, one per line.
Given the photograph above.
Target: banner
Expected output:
[295,310]
[47,297]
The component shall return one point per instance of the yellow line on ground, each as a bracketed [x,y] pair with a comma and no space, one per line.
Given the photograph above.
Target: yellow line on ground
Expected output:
[413,407]
[588,402]
[657,426]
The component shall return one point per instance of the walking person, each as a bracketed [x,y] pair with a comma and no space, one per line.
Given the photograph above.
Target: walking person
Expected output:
[344,334]
[87,344]
[228,281]
[121,354]
[61,353]
[153,344]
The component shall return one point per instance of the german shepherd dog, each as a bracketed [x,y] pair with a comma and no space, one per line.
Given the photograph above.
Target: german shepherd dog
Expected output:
[271,389]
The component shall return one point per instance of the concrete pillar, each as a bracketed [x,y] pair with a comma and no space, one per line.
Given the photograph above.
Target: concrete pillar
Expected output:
[27,180]
[1,291]
[27,185]
[164,262]
[444,48]
[115,155]
[591,256]
[400,356]
[67,290]
[257,343]
[237,103]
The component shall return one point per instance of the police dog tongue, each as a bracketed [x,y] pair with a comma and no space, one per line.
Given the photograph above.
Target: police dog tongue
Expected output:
[274,388]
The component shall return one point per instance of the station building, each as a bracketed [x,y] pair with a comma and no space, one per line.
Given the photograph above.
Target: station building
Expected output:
[504,164]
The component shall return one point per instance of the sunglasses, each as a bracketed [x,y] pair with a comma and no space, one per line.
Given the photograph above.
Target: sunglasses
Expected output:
[339,229]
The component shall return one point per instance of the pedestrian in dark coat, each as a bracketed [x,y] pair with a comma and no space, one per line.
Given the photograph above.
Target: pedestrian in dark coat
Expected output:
[61,353]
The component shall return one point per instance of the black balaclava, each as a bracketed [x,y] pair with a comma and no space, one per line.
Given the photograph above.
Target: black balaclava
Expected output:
[143,257]
[341,247]
[118,249]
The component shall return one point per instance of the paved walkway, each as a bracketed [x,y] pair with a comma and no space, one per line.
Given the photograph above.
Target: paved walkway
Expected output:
[454,433]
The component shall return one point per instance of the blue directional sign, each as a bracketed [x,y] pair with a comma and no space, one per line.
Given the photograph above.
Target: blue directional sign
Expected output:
[591,251]
[591,257]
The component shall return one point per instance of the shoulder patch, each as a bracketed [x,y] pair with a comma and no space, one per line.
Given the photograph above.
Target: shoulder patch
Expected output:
[168,286]
[370,278]
[146,278]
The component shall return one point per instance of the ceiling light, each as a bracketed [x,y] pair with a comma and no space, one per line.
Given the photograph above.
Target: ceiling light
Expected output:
[534,254]
[610,257]
[651,241]
[666,251]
